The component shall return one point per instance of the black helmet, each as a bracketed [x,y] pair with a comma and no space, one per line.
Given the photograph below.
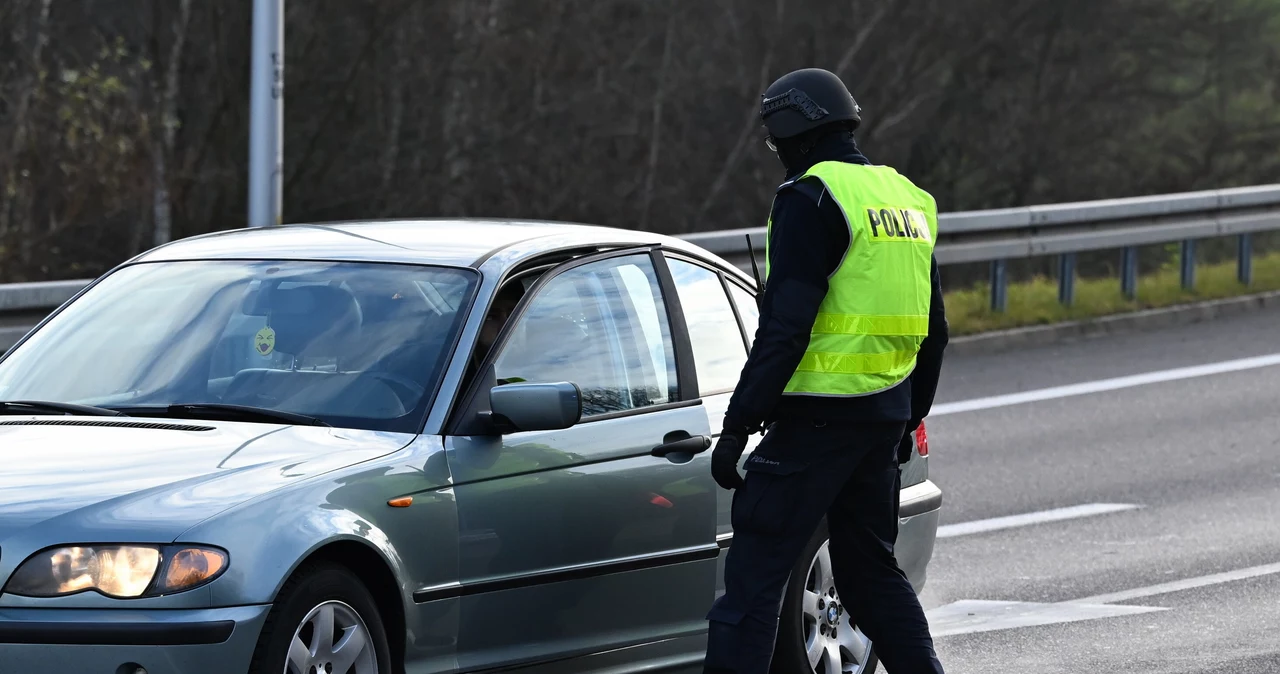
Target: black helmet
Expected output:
[804,100]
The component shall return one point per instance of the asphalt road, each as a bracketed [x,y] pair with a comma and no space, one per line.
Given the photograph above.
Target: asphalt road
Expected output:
[1195,462]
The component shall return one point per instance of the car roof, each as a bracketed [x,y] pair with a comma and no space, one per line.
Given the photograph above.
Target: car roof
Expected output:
[452,242]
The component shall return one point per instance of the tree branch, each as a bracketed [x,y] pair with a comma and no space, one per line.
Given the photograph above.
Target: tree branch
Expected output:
[750,123]
[167,121]
[22,110]
[655,135]
[860,39]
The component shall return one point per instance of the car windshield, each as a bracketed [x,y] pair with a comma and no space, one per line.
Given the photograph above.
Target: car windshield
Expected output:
[353,345]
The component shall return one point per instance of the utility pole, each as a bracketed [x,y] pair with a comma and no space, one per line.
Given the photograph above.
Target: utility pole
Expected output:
[266,114]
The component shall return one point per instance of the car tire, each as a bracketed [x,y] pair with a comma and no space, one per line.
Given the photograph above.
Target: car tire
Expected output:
[316,596]
[804,645]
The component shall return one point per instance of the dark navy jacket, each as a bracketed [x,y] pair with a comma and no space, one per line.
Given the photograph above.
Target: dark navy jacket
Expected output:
[809,240]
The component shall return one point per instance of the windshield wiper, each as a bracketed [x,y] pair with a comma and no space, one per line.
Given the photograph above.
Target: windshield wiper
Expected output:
[228,413]
[47,407]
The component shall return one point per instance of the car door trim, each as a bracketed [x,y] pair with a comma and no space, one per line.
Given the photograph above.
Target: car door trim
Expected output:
[525,664]
[578,654]
[454,590]
[648,409]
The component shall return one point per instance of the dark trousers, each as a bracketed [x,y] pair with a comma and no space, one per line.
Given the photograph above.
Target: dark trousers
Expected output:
[801,471]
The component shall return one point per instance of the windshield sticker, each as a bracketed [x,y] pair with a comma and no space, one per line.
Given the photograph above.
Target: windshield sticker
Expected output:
[264,342]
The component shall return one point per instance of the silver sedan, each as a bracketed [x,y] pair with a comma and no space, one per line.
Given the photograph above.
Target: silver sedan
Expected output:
[420,446]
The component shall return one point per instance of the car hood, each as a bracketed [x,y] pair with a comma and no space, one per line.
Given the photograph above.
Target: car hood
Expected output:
[129,480]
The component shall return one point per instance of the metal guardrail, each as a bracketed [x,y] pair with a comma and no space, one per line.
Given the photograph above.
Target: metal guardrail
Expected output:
[1064,230]
[993,236]
[22,305]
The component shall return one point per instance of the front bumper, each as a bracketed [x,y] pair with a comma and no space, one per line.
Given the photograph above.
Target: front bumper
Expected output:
[102,641]
[918,510]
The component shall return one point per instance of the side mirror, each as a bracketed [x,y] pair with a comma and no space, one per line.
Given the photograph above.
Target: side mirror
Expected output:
[536,407]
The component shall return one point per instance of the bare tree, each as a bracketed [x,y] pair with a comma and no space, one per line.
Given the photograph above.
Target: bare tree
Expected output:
[13,197]
[165,127]
[472,25]
[621,112]
[750,118]
[655,132]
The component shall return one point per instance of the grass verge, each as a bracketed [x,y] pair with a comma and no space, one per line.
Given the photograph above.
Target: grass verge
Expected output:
[1036,302]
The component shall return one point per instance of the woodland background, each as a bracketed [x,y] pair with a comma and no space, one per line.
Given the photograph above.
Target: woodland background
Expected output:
[124,123]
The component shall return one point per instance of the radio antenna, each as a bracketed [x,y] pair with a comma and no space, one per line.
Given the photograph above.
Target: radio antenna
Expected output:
[755,271]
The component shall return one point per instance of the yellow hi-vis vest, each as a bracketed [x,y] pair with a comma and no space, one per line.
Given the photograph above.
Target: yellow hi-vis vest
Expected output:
[876,312]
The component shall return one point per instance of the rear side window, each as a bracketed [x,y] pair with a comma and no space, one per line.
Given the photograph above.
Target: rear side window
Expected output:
[747,309]
[718,351]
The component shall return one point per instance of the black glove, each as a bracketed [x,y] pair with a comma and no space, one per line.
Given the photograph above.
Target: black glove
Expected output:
[724,458]
[906,446]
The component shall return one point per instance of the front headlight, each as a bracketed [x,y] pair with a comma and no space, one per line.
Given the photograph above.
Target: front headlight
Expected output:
[120,571]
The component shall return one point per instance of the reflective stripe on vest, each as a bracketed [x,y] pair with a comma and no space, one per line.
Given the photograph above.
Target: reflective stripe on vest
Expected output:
[851,324]
[876,311]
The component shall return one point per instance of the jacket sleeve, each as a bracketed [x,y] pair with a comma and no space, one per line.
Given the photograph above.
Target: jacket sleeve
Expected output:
[799,265]
[924,379]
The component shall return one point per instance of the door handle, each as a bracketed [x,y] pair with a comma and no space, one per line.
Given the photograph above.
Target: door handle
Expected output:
[681,443]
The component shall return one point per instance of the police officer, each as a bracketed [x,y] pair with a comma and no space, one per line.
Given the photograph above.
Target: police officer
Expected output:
[844,366]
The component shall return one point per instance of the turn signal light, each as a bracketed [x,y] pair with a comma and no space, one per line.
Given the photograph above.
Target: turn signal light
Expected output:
[189,567]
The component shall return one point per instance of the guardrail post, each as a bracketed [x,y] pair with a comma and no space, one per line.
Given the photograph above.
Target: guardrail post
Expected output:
[1067,279]
[1129,272]
[1189,264]
[999,287]
[1244,259]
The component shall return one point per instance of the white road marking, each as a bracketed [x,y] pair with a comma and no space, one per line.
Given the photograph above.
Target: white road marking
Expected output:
[1180,585]
[1101,385]
[970,616]
[1028,519]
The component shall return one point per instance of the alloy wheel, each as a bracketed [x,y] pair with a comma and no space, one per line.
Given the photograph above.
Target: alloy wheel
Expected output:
[332,639]
[833,643]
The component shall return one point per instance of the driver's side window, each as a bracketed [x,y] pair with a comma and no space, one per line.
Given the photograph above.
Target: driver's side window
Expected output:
[602,326]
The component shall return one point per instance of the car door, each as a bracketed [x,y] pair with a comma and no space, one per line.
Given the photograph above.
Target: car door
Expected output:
[580,541]
[721,318]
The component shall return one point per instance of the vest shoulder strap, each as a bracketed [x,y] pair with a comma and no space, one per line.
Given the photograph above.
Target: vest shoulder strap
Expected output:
[789,182]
